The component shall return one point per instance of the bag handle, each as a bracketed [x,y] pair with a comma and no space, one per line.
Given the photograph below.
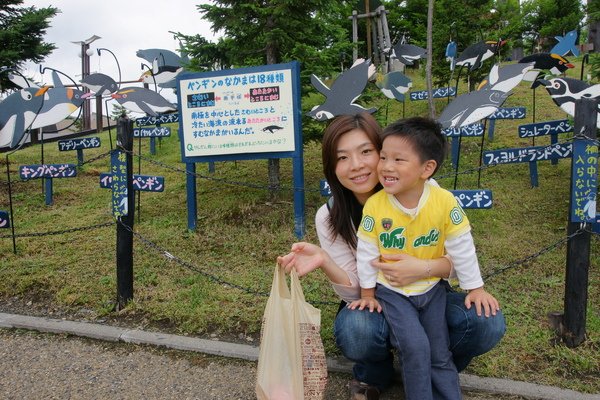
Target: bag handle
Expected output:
[279,286]
[295,287]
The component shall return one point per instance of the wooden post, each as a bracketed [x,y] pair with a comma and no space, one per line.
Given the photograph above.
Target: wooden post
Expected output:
[125,224]
[99,122]
[578,247]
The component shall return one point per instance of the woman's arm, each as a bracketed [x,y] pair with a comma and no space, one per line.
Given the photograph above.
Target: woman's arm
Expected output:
[406,269]
[335,257]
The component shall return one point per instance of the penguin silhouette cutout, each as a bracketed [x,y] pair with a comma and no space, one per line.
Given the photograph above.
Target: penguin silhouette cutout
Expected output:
[506,78]
[393,85]
[565,91]
[162,75]
[345,90]
[553,63]
[59,102]
[566,44]
[407,54]
[17,112]
[471,107]
[100,84]
[474,55]
[143,100]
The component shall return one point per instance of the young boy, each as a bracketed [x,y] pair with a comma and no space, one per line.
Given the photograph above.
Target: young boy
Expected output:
[414,216]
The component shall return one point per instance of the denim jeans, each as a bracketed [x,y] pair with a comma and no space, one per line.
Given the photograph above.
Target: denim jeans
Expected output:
[418,331]
[363,337]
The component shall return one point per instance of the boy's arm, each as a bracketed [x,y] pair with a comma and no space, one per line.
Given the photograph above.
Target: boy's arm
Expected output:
[365,253]
[462,251]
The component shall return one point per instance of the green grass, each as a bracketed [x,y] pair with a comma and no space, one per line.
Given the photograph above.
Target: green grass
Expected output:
[241,230]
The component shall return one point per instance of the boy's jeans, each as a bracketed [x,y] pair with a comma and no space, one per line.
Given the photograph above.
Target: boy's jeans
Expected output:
[363,337]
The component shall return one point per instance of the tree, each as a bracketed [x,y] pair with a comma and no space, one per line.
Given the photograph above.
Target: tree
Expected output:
[258,32]
[21,34]
[550,18]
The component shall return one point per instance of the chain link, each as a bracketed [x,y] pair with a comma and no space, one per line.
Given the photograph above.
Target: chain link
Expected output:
[220,180]
[213,278]
[50,233]
[531,257]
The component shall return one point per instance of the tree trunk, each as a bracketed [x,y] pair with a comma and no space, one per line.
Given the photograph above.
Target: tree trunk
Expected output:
[594,36]
[430,59]
[272,53]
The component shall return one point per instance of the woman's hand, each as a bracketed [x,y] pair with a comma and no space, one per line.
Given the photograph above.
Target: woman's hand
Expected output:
[482,300]
[304,258]
[404,271]
[366,302]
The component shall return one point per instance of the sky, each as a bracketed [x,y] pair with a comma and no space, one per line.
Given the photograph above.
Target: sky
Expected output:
[124,26]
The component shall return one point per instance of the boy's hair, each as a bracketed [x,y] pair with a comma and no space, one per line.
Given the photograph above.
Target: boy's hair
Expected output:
[425,135]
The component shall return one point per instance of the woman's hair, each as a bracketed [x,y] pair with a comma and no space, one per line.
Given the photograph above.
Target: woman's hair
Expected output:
[424,134]
[345,212]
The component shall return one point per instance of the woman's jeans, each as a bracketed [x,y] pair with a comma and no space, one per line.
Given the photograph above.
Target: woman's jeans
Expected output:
[363,337]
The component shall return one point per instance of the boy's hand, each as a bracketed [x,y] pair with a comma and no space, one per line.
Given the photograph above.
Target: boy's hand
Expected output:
[366,302]
[482,300]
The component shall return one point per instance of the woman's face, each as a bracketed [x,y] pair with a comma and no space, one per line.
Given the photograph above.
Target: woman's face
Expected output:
[356,168]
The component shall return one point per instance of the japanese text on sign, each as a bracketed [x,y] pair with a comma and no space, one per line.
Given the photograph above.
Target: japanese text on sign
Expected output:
[158,131]
[118,169]
[438,93]
[527,154]
[155,120]
[584,181]
[36,171]
[545,128]
[143,183]
[469,130]
[76,144]
[237,113]
[509,113]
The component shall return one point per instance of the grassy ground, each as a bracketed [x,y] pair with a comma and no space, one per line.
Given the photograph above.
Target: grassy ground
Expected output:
[241,230]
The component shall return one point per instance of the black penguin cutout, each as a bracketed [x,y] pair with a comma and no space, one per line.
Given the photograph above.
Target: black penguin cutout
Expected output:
[341,97]
[474,55]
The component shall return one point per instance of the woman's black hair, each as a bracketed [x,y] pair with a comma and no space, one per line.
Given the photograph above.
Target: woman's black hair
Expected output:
[346,212]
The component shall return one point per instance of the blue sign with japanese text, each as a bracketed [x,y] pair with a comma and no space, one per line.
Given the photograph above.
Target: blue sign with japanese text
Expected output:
[438,93]
[142,183]
[4,220]
[78,144]
[527,154]
[479,198]
[157,131]
[156,120]
[470,130]
[584,181]
[545,128]
[509,113]
[118,170]
[36,171]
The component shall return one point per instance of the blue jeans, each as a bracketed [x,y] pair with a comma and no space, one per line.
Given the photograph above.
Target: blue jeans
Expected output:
[363,337]
[418,331]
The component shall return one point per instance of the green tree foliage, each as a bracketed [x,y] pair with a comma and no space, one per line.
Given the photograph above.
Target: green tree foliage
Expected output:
[550,18]
[21,34]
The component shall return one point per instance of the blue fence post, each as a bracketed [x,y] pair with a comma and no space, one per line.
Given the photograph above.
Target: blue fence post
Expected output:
[79,157]
[48,191]
[192,202]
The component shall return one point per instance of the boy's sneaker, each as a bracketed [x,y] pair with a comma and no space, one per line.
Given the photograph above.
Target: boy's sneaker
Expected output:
[362,391]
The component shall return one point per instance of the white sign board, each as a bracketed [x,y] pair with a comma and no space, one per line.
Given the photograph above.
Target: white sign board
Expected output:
[248,110]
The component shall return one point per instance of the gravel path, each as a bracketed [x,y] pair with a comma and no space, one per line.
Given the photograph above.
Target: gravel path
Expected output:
[45,366]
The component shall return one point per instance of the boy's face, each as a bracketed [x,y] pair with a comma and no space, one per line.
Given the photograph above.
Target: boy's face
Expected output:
[400,169]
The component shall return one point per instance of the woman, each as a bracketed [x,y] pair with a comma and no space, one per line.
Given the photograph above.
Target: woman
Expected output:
[351,145]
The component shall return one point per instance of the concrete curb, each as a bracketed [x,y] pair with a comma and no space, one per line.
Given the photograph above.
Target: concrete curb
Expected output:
[247,352]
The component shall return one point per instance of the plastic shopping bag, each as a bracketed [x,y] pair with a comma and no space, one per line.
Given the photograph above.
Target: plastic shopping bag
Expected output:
[291,361]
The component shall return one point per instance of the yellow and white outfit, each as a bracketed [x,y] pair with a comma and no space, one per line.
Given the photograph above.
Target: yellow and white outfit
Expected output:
[437,226]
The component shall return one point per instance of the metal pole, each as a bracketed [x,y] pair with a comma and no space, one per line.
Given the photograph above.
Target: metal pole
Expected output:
[125,223]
